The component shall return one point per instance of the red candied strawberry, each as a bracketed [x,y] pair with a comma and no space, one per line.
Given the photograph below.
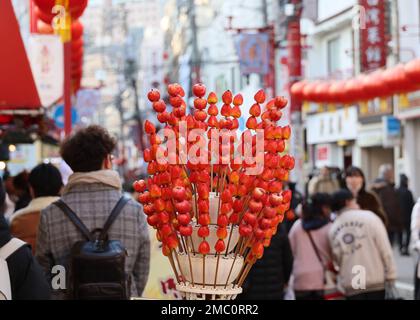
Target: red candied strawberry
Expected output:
[153,95]
[204,248]
[260,97]
[199,90]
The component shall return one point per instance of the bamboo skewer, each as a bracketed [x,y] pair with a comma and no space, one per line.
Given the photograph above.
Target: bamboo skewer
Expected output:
[217,270]
[204,271]
[218,213]
[211,177]
[190,263]
[192,245]
[230,236]
[180,269]
[245,274]
[171,260]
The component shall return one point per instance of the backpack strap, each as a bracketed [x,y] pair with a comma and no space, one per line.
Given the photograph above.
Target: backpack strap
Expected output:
[9,248]
[74,218]
[114,214]
[6,251]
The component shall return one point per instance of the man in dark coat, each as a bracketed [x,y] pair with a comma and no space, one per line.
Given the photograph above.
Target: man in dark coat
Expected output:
[26,276]
[406,204]
[384,187]
[269,276]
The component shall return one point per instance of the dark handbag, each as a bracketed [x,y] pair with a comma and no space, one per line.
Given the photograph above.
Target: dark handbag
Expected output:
[97,265]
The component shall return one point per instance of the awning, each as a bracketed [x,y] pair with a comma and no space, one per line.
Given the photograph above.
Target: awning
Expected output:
[17,86]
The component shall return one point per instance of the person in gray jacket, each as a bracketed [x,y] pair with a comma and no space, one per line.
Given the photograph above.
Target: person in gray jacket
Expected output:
[92,192]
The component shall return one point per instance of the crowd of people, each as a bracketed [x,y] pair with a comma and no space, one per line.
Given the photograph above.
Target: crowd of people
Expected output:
[340,239]
[335,243]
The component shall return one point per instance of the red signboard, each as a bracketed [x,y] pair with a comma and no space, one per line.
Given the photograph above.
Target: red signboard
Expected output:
[323,153]
[373,46]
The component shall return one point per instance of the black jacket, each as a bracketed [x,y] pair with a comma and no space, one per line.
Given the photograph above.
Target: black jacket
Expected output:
[268,276]
[407,203]
[26,276]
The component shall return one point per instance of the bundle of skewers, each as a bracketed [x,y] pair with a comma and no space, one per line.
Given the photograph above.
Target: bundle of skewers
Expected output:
[215,197]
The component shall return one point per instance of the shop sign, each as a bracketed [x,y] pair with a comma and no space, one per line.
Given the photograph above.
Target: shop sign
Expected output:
[373,45]
[45,53]
[332,126]
[391,131]
[254,53]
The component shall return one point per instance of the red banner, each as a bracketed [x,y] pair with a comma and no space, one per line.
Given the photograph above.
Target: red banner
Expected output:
[373,46]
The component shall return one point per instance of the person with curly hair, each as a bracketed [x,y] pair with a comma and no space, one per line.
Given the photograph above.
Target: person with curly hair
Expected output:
[92,191]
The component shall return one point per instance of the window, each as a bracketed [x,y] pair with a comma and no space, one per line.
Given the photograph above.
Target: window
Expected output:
[333,55]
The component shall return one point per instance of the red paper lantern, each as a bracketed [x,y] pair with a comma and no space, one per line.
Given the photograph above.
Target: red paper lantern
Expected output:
[76,7]
[375,86]
[309,91]
[336,92]
[76,30]
[297,90]
[44,16]
[44,28]
[412,70]
[77,56]
[76,45]
[77,72]
[353,91]
[397,80]
[322,92]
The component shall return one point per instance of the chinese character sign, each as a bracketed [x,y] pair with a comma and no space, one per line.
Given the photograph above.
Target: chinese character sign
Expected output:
[372,35]
[254,53]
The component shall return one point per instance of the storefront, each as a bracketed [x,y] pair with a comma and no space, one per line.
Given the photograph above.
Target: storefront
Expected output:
[372,153]
[330,137]
[410,157]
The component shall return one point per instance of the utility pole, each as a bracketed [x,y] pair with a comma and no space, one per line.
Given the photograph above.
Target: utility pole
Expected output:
[294,60]
[395,18]
[195,59]
[265,13]
[131,72]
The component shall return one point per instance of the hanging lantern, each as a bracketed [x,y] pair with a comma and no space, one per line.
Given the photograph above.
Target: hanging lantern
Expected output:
[77,44]
[76,8]
[309,91]
[353,91]
[336,92]
[397,80]
[76,30]
[321,91]
[412,70]
[297,90]
[399,83]
[77,56]
[44,16]
[77,72]
[44,28]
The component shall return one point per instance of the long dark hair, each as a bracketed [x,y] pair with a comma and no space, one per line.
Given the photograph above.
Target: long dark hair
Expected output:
[313,207]
[353,171]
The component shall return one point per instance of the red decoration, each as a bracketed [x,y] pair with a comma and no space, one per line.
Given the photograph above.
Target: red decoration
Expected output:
[413,70]
[397,80]
[322,92]
[76,30]
[336,92]
[76,7]
[44,28]
[373,43]
[309,91]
